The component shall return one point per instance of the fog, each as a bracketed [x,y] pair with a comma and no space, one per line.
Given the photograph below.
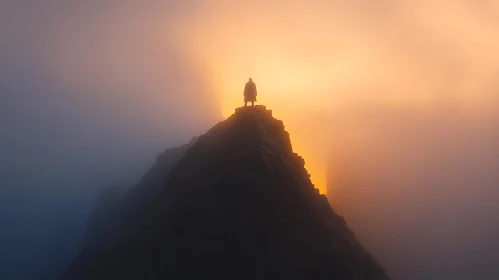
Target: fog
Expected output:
[314,60]
[90,93]
[393,105]
[420,191]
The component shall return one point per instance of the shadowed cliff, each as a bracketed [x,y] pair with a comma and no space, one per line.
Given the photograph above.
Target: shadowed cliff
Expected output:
[239,204]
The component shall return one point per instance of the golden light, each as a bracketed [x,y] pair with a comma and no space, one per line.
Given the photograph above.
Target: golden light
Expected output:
[293,81]
[311,60]
[289,101]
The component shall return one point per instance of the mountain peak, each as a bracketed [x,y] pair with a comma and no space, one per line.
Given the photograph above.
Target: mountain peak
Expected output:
[239,204]
[257,109]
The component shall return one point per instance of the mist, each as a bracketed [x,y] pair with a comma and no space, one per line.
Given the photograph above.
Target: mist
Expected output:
[90,93]
[420,190]
[393,105]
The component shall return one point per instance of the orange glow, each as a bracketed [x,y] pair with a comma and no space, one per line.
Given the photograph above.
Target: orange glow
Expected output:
[303,143]
[284,97]
[316,61]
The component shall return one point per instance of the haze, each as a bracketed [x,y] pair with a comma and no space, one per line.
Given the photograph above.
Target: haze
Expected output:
[393,105]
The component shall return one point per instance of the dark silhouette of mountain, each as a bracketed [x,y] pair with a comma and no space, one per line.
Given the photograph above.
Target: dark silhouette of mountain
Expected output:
[239,204]
[115,212]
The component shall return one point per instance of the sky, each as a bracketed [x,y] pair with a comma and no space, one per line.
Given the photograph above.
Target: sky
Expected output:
[314,61]
[91,91]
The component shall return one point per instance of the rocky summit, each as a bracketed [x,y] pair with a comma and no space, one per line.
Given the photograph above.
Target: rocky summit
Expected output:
[238,204]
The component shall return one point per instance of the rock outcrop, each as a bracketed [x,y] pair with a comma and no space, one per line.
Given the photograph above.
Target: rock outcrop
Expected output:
[239,204]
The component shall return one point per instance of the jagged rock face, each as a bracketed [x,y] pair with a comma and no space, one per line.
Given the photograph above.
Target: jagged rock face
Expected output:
[238,205]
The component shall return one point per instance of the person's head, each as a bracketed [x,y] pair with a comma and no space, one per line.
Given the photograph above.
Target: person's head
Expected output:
[251,80]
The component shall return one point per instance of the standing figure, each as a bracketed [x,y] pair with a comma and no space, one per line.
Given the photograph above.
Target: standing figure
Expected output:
[250,93]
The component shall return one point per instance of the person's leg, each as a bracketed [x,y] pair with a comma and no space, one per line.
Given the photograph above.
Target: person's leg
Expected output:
[252,103]
[245,103]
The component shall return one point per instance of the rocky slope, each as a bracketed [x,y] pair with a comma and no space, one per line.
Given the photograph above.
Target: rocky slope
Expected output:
[115,213]
[238,205]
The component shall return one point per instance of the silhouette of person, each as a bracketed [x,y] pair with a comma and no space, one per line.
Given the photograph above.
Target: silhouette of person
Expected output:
[250,93]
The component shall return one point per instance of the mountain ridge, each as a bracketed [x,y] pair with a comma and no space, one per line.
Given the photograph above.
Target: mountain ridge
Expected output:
[239,204]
